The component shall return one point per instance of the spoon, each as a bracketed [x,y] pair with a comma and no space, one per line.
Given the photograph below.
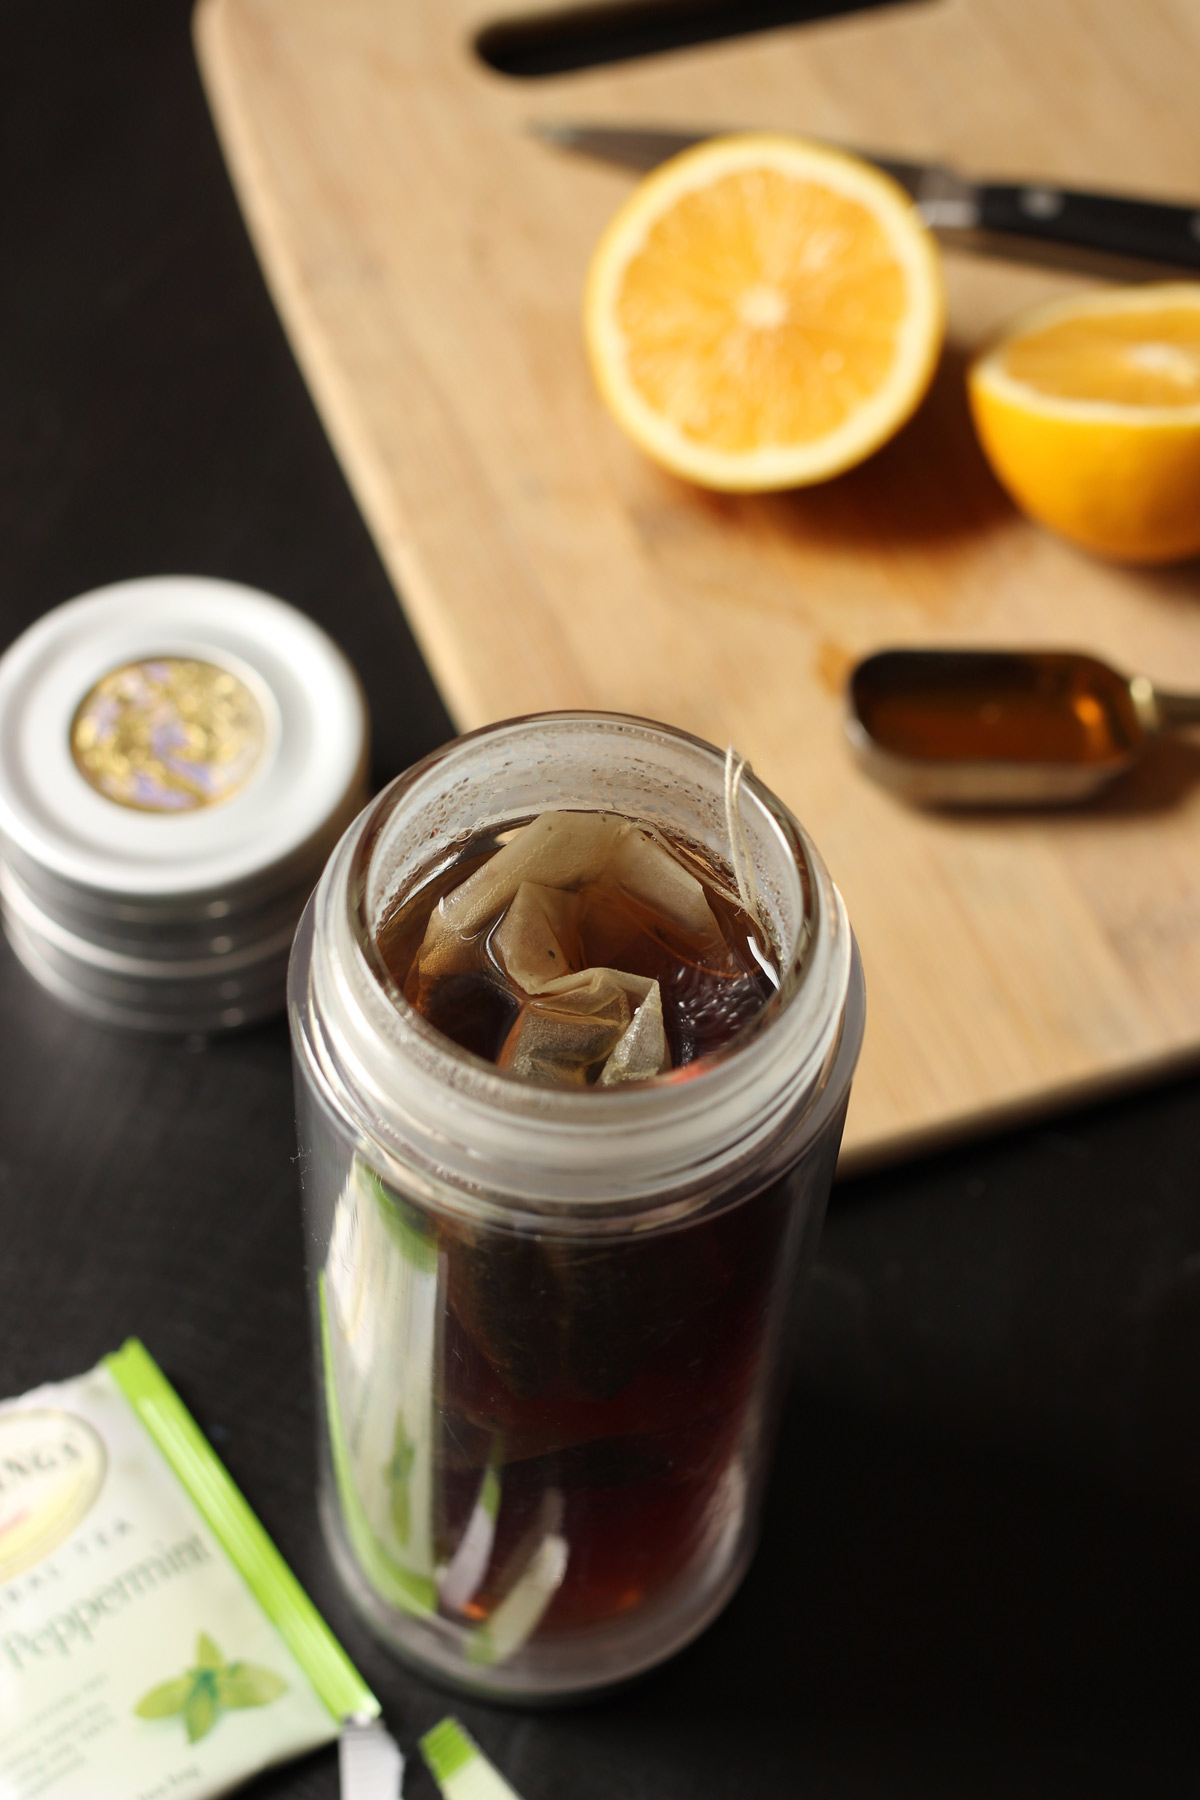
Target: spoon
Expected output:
[1003,727]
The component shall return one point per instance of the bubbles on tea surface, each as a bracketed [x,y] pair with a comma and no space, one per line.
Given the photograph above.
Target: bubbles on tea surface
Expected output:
[702,1011]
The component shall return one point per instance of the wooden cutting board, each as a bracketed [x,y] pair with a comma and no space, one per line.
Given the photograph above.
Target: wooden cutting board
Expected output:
[428,258]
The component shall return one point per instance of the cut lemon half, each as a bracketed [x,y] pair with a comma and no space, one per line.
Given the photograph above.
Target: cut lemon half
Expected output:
[1089,412]
[763,312]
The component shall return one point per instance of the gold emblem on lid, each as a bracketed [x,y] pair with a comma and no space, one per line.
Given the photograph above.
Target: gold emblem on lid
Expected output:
[169,734]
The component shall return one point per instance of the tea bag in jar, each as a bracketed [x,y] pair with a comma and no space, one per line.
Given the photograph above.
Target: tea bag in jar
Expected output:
[607,950]
[566,889]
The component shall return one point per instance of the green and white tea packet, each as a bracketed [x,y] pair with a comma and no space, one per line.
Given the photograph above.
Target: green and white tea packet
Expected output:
[459,1766]
[153,1643]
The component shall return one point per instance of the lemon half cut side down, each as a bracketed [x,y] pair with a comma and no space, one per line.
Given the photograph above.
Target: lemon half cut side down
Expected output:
[763,312]
[1088,410]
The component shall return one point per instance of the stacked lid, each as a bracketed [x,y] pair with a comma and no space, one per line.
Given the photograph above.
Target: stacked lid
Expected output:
[178,756]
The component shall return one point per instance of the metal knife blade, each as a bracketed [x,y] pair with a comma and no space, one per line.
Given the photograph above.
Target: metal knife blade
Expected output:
[943,199]
[1028,220]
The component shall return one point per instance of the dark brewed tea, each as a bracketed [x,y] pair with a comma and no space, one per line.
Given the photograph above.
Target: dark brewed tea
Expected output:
[512,988]
[597,1388]
[622,1379]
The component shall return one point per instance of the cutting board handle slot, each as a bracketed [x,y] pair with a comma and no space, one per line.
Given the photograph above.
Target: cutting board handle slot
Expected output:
[579,37]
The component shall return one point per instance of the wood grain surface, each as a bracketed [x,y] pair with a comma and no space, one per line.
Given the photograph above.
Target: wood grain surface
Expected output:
[427,257]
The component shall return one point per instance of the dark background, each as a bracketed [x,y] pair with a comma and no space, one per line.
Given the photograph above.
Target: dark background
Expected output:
[978,1574]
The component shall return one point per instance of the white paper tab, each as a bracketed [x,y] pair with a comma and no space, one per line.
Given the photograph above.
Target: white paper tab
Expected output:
[369,1762]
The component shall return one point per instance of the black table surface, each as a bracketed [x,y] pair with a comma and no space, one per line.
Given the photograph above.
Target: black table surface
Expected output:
[978,1572]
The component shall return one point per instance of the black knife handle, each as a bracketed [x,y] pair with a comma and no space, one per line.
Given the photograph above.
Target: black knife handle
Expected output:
[1146,229]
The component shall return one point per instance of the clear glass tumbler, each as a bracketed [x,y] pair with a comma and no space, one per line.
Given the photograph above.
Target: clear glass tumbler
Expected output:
[551,1324]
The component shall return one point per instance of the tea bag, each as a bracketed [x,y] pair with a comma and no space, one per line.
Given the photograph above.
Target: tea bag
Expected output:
[576,1023]
[575,1018]
[587,1018]
[566,850]
[537,940]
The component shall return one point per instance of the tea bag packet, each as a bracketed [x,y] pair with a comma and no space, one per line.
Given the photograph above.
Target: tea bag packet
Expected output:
[152,1640]
[541,899]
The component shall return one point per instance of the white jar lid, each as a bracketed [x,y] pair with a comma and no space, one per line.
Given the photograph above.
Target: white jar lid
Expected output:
[306,760]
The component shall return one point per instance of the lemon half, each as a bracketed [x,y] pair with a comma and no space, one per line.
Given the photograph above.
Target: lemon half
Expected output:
[1089,412]
[764,312]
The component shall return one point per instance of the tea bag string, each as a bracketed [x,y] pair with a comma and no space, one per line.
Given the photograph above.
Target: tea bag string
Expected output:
[736,766]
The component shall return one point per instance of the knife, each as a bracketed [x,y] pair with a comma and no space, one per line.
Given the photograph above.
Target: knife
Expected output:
[1112,224]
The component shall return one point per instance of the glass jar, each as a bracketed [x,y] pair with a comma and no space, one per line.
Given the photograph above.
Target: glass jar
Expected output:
[552,1322]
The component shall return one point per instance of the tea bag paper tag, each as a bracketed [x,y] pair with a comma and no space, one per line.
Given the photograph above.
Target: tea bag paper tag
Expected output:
[370,1766]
